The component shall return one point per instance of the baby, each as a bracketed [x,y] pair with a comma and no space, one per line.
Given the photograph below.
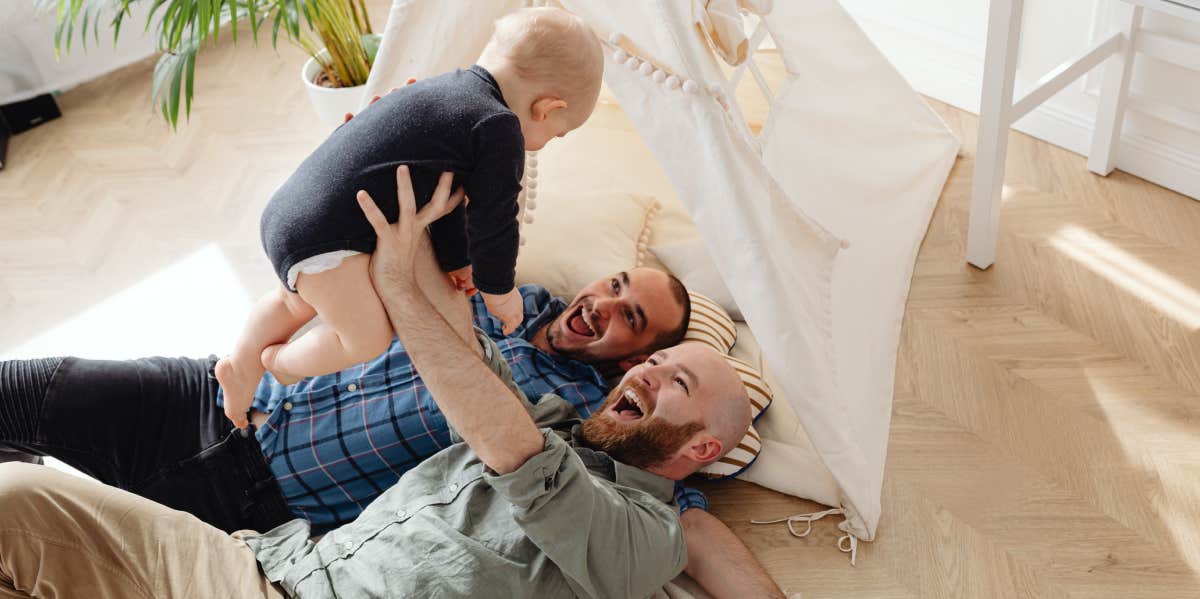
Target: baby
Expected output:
[538,78]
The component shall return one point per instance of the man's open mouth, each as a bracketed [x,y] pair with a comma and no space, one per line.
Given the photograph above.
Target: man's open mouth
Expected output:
[579,323]
[630,406]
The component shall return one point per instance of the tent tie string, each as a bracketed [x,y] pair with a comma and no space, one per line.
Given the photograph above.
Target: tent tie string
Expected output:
[852,548]
[847,543]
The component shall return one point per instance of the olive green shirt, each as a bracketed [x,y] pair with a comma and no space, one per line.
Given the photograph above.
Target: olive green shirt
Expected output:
[569,522]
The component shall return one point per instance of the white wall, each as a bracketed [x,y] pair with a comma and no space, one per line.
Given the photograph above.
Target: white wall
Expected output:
[27,63]
[938,45]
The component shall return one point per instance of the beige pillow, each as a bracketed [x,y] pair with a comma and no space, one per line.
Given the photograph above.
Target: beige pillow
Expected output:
[576,238]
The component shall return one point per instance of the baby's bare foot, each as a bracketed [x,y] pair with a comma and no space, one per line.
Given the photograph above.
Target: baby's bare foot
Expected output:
[238,386]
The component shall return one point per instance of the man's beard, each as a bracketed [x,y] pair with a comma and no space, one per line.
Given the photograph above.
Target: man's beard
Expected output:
[552,331]
[646,443]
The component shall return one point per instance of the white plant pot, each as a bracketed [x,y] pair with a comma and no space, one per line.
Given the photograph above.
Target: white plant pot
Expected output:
[331,103]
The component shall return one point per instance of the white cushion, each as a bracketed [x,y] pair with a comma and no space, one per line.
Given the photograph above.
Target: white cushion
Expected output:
[788,462]
[689,260]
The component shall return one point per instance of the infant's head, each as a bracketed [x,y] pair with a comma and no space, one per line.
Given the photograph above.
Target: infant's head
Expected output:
[549,65]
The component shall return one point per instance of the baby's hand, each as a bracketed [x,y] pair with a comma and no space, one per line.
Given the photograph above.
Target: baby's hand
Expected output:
[509,308]
[236,408]
[237,383]
[464,280]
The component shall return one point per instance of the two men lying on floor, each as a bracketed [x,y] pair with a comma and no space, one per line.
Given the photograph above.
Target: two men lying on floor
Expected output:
[533,501]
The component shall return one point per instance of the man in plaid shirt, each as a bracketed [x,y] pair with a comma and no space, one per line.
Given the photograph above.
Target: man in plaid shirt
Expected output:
[324,448]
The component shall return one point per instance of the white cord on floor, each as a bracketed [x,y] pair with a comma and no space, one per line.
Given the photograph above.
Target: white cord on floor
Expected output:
[808,519]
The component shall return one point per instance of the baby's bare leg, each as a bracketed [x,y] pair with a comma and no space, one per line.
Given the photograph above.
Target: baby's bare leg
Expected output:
[366,331]
[354,326]
[276,316]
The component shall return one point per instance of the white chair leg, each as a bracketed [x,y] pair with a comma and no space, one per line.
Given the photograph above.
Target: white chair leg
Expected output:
[1111,111]
[999,70]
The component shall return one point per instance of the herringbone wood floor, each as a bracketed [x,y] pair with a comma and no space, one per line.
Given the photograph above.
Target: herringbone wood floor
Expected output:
[1045,438]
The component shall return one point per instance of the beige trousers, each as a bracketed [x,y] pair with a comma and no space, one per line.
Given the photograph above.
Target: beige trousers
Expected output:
[62,536]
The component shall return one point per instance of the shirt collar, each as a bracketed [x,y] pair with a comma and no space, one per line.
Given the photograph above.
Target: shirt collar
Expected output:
[602,465]
[552,309]
[541,309]
[548,313]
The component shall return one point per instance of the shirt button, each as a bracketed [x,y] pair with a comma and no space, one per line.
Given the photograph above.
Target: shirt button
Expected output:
[453,487]
[287,406]
[402,514]
[351,387]
[347,546]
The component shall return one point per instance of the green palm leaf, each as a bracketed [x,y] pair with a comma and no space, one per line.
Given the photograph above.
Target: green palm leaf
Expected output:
[183,27]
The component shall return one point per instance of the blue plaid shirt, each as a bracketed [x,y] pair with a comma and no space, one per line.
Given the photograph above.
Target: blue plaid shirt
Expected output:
[336,442]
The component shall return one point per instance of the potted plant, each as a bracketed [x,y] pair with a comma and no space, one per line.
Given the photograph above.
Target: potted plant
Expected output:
[336,35]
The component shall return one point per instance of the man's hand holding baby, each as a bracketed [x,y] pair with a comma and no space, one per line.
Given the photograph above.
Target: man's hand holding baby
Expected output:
[397,243]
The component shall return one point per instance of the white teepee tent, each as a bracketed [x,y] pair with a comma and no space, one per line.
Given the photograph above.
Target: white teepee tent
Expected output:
[830,202]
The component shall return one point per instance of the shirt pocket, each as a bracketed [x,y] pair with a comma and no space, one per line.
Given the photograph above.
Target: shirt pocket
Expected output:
[344,384]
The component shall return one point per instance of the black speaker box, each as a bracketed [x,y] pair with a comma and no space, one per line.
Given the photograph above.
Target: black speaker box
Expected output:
[4,135]
[26,114]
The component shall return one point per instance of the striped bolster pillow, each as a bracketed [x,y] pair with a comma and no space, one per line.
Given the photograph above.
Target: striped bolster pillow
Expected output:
[742,456]
[756,386]
[710,324]
[737,461]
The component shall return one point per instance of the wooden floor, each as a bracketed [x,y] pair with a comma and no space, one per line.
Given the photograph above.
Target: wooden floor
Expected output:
[1045,436]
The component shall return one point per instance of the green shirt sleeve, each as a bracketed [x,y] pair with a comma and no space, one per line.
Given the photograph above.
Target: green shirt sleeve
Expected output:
[608,540]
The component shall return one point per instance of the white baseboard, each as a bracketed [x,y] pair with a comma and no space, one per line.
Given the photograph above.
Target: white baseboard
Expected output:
[941,65]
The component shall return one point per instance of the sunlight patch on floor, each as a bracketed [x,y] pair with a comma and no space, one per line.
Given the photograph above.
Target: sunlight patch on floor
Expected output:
[1140,429]
[1149,284]
[1007,193]
[194,307]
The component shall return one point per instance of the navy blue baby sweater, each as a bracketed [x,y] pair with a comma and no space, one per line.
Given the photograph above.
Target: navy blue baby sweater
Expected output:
[454,122]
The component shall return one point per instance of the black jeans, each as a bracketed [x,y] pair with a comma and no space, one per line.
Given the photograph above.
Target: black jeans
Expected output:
[149,426]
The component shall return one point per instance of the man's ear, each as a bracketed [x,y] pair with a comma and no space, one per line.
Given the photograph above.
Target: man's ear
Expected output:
[631,361]
[542,107]
[704,448]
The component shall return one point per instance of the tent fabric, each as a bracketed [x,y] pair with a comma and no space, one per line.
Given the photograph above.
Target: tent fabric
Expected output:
[814,225]
[721,24]
[847,126]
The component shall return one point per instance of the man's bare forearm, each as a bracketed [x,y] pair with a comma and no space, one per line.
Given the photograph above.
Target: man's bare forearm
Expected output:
[720,562]
[479,406]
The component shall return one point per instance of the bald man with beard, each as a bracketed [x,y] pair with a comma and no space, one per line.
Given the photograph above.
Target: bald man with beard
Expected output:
[656,419]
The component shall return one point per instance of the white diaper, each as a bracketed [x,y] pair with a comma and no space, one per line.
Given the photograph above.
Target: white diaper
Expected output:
[315,264]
